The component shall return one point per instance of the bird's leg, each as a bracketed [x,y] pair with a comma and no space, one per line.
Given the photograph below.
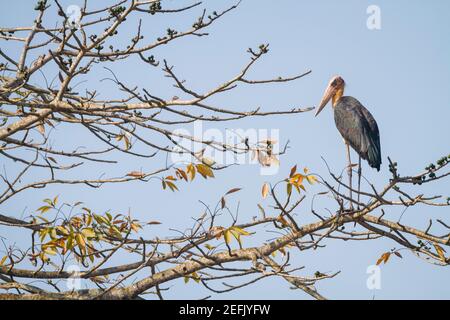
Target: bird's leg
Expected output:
[359,178]
[349,168]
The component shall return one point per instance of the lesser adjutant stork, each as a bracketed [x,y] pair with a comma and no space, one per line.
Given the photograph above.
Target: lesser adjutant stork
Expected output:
[356,125]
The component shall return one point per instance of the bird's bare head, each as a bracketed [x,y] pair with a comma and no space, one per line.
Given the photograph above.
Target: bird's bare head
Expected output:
[334,90]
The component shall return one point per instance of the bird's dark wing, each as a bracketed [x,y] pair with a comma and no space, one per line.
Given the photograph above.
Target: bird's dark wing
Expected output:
[358,127]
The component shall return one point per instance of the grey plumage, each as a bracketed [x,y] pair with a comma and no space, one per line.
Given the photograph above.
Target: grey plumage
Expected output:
[358,127]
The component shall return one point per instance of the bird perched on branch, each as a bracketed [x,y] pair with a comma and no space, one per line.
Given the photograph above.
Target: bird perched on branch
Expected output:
[356,125]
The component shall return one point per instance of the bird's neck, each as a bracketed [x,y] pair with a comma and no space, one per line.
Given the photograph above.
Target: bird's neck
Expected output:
[337,96]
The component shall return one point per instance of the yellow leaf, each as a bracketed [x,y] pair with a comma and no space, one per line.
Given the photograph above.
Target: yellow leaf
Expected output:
[88,220]
[43,257]
[43,233]
[196,277]
[241,231]
[204,170]
[53,233]
[171,185]
[265,190]
[236,235]
[50,251]
[440,251]
[115,231]
[227,236]
[3,260]
[60,243]
[88,232]
[311,179]
[384,258]
[86,209]
[236,232]
[208,161]
[100,219]
[190,169]
[62,230]
[135,226]
[80,241]
[69,243]
[44,209]
[182,174]
[297,179]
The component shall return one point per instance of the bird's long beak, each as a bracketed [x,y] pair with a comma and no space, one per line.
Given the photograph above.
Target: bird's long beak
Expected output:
[329,92]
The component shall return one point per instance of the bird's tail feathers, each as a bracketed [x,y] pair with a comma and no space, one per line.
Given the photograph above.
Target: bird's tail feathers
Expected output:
[374,155]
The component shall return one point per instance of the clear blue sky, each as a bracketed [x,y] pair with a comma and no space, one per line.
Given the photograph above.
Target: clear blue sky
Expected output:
[401,73]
